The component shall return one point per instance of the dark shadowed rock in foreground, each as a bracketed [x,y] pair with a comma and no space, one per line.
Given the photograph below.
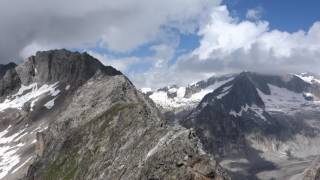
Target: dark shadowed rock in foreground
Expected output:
[95,124]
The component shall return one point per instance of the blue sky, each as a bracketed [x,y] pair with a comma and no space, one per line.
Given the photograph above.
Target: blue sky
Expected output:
[162,42]
[286,15]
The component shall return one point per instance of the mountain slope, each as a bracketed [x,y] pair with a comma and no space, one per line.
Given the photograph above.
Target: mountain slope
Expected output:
[177,99]
[73,118]
[259,119]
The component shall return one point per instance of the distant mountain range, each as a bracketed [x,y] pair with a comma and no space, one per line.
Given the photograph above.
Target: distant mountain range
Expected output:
[254,123]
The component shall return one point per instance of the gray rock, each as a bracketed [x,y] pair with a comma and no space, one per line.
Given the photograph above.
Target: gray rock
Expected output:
[112,131]
[102,128]
[61,65]
[9,80]
[313,172]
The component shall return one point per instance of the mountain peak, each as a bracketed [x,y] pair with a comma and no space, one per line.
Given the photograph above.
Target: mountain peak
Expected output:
[63,66]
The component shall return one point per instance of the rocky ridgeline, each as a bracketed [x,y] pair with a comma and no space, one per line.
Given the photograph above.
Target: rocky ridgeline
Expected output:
[70,117]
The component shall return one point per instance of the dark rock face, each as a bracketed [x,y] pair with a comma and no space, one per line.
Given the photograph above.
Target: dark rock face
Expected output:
[214,121]
[9,79]
[218,131]
[241,93]
[61,65]
[97,127]
[234,120]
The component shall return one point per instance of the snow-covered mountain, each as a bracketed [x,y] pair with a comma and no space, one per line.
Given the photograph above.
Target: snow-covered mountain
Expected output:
[175,98]
[260,122]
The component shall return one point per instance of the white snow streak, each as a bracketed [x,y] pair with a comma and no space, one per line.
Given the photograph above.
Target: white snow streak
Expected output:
[11,144]
[50,103]
[165,140]
[67,87]
[258,112]
[8,153]
[28,93]
[21,165]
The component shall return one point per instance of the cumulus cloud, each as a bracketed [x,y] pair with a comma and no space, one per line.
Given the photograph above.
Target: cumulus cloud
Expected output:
[121,25]
[229,45]
[159,75]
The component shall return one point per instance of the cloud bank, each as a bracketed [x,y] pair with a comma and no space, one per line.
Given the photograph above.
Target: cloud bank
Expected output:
[120,26]
[226,44]
[230,45]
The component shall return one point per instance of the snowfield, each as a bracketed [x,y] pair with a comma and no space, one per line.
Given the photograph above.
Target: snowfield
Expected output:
[30,93]
[284,100]
[12,145]
[180,101]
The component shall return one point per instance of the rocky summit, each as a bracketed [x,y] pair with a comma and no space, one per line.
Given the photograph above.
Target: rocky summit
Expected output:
[64,115]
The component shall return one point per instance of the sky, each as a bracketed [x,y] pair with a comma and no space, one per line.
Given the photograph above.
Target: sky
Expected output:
[163,42]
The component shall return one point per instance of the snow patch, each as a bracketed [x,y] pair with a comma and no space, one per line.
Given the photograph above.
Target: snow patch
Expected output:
[172,90]
[180,101]
[9,156]
[308,78]
[199,96]
[224,92]
[239,114]
[258,112]
[50,103]
[146,90]
[67,87]
[181,92]
[21,165]
[11,145]
[29,93]
[284,100]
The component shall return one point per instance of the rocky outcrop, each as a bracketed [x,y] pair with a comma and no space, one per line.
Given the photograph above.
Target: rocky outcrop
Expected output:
[63,66]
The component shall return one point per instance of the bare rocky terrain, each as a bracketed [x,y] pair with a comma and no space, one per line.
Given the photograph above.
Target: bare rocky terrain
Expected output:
[64,115]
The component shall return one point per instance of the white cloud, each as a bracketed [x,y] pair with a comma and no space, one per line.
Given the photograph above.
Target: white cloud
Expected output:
[223,34]
[227,44]
[254,14]
[159,74]
[121,25]
[121,64]
[230,45]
